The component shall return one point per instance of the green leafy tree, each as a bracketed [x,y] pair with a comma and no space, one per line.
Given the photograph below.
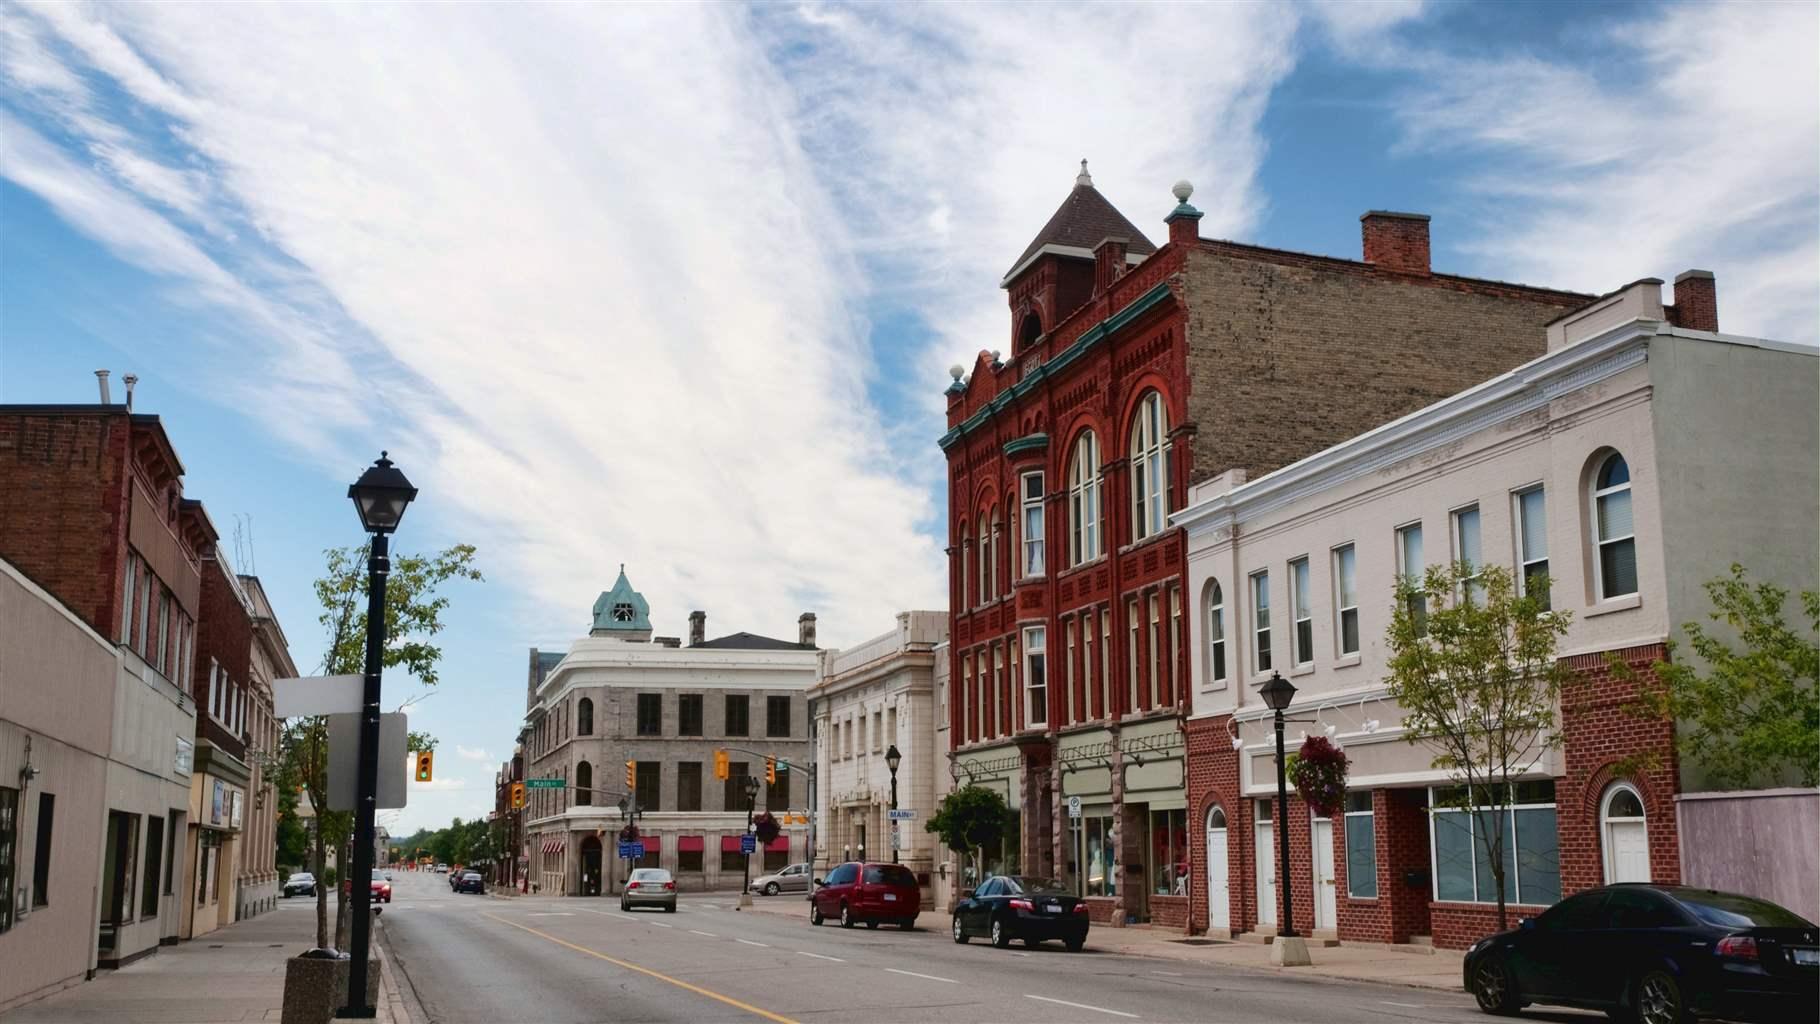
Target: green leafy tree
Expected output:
[1473,665]
[1747,716]
[971,820]
[414,607]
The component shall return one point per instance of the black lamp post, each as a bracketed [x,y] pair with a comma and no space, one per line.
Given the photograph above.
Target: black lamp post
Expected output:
[892,760]
[1277,693]
[380,496]
[751,784]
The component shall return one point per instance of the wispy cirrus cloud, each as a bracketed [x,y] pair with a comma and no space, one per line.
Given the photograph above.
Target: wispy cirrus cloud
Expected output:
[473,754]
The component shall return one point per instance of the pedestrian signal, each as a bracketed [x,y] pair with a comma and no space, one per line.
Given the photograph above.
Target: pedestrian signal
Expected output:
[424,763]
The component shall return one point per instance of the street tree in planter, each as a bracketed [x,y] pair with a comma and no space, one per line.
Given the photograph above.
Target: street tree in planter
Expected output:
[1473,665]
[970,820]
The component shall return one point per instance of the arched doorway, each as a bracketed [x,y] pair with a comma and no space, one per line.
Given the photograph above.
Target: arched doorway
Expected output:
[1219,872]
[1624,830]
[590,866]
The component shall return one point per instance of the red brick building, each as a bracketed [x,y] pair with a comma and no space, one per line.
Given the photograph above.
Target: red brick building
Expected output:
[1132,374]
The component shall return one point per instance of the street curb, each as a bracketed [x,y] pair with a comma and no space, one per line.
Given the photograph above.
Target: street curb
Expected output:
[1329,979]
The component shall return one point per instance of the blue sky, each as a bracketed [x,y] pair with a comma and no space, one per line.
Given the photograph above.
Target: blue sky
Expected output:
[676,286]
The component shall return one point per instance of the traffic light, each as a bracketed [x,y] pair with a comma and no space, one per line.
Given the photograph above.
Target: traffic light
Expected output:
[770,771]
[721,767]
[518,795]
[424,761]
[631,776]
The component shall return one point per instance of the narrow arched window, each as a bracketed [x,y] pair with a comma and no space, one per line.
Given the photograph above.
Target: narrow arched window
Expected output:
[1149,468]
[584,717]
[1084,514]
[1216,633]
[1613,528]
[966,575]
[1030,330]
[584,784]
[985,593]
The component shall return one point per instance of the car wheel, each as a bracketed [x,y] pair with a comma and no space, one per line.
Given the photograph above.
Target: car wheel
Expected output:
[872,925]
[1074,945]
[1493,988]
[960,931]
[908,925]
[846,916]
[671,909]
[771,889]
[624,907]
[1659,1000]
[815,914]
[1001,937]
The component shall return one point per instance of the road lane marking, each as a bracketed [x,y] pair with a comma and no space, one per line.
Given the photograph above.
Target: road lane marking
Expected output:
[660,924]
[553,913]
[749,942]
[1081,1006]
[679,983]
[818,956]
[1015,953]
[1407,1006]
[710,935]
[931,977]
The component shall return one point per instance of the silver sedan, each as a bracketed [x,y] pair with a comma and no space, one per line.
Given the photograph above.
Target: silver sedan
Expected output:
[794,878]
[649,887]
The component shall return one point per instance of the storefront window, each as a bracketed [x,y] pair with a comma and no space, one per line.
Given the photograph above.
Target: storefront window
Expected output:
[1169,853]
[1071,857]
[1098,857]
[1531,852]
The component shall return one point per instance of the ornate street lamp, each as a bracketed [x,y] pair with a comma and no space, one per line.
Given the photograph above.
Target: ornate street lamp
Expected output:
[1288,948]
[380,497]
[892,760]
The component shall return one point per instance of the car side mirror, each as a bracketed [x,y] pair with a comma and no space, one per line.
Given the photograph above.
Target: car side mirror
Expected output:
[1526,923]
[966,894]
[820,882]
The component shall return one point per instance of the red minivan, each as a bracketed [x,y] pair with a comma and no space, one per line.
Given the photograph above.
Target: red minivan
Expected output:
[857,891]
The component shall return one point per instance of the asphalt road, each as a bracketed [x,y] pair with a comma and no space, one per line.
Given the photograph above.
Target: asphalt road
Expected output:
[547,960]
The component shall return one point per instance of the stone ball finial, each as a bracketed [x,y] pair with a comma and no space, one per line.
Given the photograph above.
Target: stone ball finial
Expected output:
[1083,178]
[956,371]
[1182,190]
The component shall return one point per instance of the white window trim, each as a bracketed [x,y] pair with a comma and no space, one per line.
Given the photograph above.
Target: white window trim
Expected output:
[1605,820]
[1153,621]
[1456,521]
[1299,601]
[1519,523]
[1217,668]
[1085,521]
[1345,846]
[1035,647]
[1031,560]
[1150,467]
[1516,892]
[1599,539]
[1340,607]
[1132,611]
[1399,536]
[1070,627]
[1261,658]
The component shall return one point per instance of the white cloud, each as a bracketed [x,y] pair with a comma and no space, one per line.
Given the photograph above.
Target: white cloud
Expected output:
[473,754]
[442,785]
[1702,155]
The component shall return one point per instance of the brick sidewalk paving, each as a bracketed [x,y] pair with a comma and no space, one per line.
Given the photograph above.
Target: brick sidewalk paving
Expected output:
[235,973]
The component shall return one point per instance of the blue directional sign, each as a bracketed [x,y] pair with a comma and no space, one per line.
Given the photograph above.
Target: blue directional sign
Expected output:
[748,843]
[631,851]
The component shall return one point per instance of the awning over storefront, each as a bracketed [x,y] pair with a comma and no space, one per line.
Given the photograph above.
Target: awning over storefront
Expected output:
[729,844]
[689,844]
[652,844]
[552,846]
[779,845]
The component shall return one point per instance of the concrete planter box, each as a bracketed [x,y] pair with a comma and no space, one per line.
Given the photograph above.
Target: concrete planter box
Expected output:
[314,989]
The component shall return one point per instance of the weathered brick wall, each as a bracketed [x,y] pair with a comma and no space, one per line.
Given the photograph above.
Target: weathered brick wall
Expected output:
[1598,734]
[1400,840]
[1322,349]
[63,507]
[1459,925]
[224,634]
[1169,912]
[1213,778]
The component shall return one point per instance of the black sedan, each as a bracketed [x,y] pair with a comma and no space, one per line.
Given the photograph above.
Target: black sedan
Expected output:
[1660,954]
[470,881]
[1007,907]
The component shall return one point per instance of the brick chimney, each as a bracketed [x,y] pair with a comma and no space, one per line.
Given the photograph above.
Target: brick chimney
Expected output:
[698,627]
[805,629]
[1108,262]
[1396,241]
[1696,301]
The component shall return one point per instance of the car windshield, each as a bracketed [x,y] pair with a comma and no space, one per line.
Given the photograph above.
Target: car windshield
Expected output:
[1727,910]
[889,874]
[378,876]
[1035,886]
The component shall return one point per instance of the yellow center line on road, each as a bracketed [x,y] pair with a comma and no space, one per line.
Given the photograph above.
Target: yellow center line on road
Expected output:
[679,983]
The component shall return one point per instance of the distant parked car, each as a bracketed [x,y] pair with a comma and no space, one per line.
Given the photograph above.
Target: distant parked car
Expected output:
[470,881]
[301,883]
[649,887]
[379,888]
[1007,907]
[442,869]
[1659,954]
[859,891]
[794,878]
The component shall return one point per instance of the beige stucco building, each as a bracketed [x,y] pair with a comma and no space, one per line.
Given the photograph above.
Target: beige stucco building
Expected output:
[258,867]
[867,700]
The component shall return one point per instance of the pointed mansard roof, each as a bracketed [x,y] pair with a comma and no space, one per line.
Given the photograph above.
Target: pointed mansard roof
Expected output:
[634,615]
[1084,220]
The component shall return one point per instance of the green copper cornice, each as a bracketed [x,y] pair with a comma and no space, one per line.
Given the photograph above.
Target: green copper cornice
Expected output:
[1088,339]
[1025,444]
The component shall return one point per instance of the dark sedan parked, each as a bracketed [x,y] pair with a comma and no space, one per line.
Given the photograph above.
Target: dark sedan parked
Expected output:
[470,881]
[1660,954]
[1007,907]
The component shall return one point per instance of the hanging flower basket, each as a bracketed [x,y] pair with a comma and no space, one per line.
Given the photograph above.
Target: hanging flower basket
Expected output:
[1318,771]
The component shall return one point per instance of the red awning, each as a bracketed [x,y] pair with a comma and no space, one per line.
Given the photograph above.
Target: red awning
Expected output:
[552,846]
[779,845]
[729,844]
[652,844]
[689,844]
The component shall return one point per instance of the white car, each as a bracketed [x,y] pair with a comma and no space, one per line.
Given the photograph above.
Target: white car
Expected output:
[442,869]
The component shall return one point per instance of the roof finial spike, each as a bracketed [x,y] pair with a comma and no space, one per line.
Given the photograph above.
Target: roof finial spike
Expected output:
[1083,178]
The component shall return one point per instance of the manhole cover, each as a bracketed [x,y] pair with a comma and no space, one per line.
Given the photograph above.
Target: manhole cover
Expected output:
[1199,942]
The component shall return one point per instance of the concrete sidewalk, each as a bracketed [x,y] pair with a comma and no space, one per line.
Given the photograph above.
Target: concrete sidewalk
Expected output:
[234,973]
[1409,966]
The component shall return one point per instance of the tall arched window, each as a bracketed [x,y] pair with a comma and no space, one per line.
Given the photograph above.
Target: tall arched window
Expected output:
[1625,835]
[1030,330]
[966,567]
[1613,529]
[1216,633]
[584,784]
[1084,514]
[1149,468]
[985,592]
[584,717]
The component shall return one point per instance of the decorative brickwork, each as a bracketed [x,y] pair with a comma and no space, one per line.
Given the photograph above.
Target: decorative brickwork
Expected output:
[1598,733]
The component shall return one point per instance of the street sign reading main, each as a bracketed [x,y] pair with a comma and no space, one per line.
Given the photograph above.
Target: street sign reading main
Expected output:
[543,783]
[900,814]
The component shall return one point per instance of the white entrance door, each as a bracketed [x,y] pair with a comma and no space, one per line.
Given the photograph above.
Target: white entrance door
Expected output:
[1267,875]
[1324,895]
[1219,880]
[1629,845]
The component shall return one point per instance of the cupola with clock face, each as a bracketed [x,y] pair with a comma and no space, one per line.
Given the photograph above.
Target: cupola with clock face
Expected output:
[622,613]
